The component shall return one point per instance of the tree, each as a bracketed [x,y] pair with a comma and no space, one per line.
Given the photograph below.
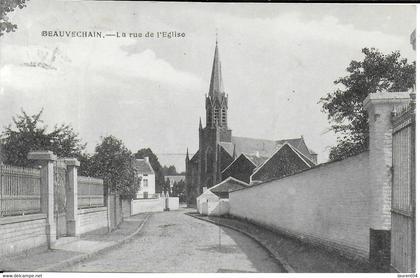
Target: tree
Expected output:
[28,134]
[167,186]
[8,6]
[169,171]
[154,161]
[376,73]
[179,189]
[113,163]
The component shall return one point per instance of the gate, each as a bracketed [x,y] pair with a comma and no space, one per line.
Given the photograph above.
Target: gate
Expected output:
[60,205]
[403,204]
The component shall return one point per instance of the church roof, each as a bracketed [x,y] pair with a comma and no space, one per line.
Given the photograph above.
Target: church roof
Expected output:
[216,81]
[255,147]
[143,166]
[195,157]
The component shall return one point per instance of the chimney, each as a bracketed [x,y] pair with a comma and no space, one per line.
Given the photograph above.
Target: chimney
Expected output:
[146,158]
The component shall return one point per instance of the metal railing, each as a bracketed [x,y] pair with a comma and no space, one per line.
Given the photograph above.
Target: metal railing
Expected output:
[90,192]
[19,190]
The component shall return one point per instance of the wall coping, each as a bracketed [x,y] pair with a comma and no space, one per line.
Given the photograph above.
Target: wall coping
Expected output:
[72,162]
[385,98]
[42,155]
[91,210]
[21,218]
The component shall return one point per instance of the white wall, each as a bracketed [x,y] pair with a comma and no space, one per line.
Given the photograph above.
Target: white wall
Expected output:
[328,204]
[153,205]
[218,208]
[147,205]
[92,218]
[173,203]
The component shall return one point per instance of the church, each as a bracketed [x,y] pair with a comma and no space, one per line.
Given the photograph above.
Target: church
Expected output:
[219,150]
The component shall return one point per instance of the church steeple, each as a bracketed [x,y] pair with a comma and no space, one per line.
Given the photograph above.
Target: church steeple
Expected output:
[216,101]
[216,81]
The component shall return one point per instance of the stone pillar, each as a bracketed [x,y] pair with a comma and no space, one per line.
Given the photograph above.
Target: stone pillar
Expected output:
[46,159]
[379,107]
[72,217]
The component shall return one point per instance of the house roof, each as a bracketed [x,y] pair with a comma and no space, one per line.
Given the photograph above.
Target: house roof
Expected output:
[263,147]
[228,185]
[299,154]
[143,166]
[298,143]
[257,160]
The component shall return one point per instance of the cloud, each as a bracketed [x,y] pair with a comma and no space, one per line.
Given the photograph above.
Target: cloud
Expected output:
[85,61]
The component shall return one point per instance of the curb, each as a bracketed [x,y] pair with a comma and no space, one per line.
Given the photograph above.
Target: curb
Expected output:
[282,261]
[82,257]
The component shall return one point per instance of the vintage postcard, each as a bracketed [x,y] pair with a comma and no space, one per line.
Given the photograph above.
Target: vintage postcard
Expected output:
[169,137]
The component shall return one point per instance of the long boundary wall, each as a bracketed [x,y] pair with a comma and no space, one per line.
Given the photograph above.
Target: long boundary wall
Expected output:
[22,233]
[93,219]
[328,205]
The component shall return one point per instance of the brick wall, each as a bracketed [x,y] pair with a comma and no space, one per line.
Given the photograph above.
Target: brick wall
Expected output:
[21,233]
[328,205]
[92,219]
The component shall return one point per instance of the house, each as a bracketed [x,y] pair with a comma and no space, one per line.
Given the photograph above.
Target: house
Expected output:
[215,200]
[145,172]
[216,158]
[285,161]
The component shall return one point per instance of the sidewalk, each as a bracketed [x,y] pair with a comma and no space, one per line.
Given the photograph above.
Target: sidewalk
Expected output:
[292,254]
[86,246]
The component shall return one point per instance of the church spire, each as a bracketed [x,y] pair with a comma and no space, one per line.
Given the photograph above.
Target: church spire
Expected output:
[216,82]
[200,126]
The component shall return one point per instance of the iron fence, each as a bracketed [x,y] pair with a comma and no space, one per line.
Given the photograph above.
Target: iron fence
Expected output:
[90,192]
[19,190]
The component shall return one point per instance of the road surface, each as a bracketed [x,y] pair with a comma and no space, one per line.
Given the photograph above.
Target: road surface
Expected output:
[175,242]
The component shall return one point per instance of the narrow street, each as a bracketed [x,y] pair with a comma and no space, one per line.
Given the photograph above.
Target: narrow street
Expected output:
[175,242]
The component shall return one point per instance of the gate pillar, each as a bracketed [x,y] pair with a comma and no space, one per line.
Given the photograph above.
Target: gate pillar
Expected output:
[46,160]
[379,107]
[72,217]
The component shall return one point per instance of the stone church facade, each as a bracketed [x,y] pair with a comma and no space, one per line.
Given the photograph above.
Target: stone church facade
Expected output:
[217,147]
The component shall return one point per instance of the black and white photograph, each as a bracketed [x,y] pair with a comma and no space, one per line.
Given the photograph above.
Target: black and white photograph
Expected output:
[200,137]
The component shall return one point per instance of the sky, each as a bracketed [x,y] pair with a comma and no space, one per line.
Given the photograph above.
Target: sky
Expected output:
[278,60]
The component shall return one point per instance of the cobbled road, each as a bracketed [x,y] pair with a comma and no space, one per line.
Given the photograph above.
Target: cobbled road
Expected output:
[175,242]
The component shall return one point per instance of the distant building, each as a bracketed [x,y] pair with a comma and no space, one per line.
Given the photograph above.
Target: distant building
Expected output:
[174,179]
[147,175]
[215,159]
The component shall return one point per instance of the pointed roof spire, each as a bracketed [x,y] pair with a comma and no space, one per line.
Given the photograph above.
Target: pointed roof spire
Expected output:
[216,82]
[200,125]
[187,156]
